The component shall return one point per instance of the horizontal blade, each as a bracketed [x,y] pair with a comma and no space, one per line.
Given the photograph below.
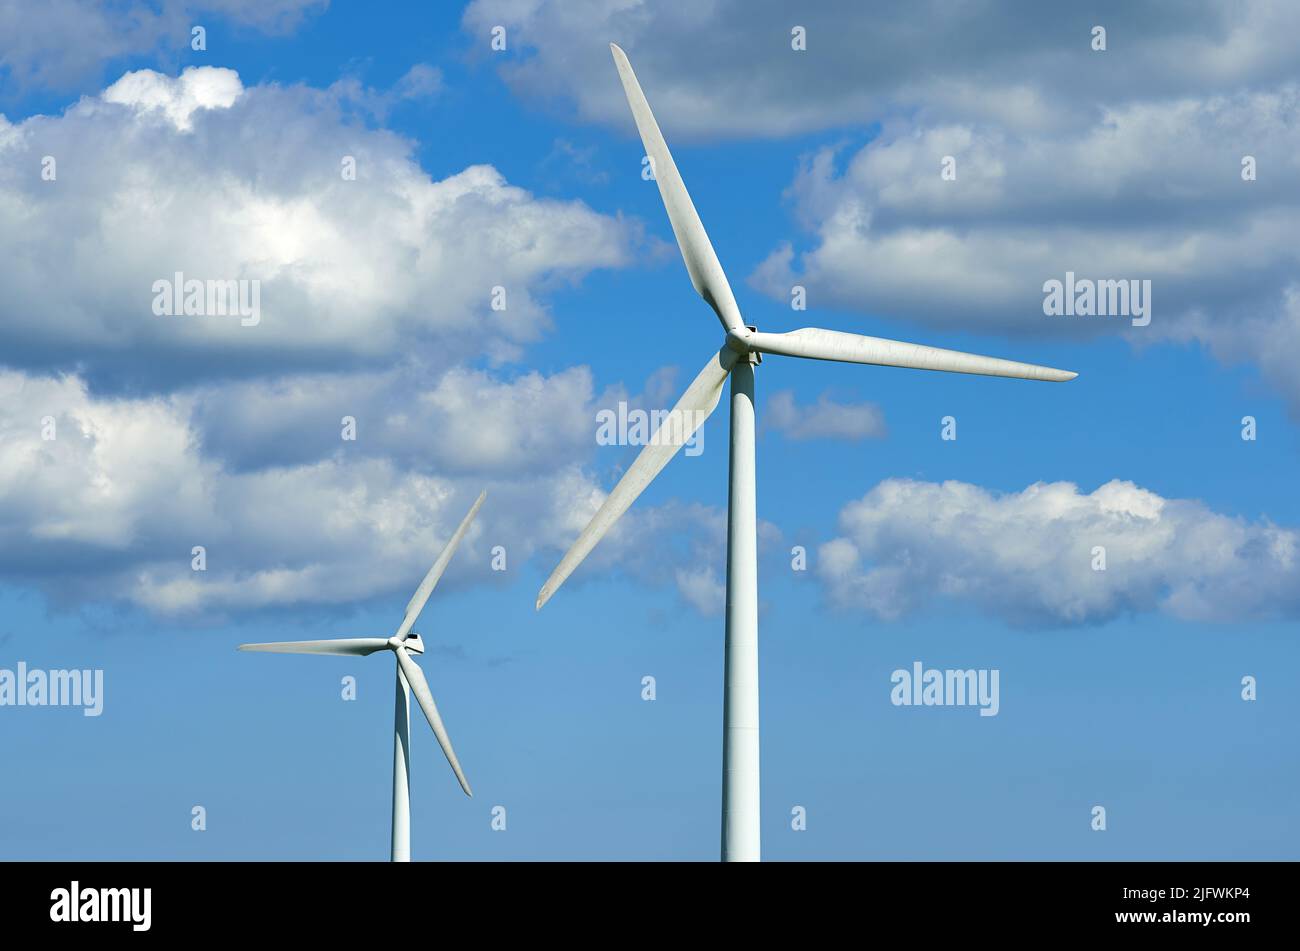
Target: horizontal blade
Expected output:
[420,687]
[421,596]
[701,261]
[699,400]
[351,646]
[817,344]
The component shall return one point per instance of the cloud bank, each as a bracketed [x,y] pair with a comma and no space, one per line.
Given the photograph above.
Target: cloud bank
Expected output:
[127,438]
[59,44]
[156,176]
[1030,557]
[102,499]
[726,68]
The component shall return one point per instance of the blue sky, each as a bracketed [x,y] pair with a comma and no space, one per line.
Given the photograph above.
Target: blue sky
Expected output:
[1119,689]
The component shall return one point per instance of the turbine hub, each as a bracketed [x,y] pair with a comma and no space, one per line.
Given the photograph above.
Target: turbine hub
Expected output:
[738,340]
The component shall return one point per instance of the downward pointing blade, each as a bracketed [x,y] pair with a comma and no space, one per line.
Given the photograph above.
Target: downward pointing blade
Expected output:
[421,596]
[699,400]
[351,646]
[420,687]
[701,261]
[817,344]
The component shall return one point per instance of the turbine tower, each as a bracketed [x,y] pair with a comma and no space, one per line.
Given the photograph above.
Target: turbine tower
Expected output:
[741,351]
[410,678]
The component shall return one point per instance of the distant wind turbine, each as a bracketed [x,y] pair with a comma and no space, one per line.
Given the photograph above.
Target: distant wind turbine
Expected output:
[409,678]
[741,351]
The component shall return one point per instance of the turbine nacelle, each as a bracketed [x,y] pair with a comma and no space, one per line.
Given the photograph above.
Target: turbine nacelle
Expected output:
[411,642]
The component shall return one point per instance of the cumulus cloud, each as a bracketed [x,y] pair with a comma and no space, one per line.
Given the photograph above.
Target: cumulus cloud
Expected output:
[157,177]
[1149,192]
[103,498]
[59,43]
[421,81]
[458,420]
[461,421]
[1028,557]
[726,67]
[166,432]
[826,419]
[178,98]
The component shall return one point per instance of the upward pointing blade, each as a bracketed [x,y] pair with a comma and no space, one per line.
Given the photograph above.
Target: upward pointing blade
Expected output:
[350,646]
[421,596]
[699,400]
[420,687]
[817,344]
[701,261]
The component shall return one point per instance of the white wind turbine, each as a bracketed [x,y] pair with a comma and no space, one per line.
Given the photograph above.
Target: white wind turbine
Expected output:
[740,352]
[409,678]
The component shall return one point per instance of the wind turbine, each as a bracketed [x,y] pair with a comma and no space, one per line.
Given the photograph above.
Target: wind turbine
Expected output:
[741,351]
[409,678]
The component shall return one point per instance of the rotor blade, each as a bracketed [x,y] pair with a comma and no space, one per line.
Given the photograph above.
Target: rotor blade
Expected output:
[817,344]
[353,646]
[699,400]
[420,687]
[701,261]
[417,602]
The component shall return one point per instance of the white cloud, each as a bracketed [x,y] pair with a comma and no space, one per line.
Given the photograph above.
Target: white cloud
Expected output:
[459,421]
[827,419]
[419,82]
[703,590]
[722,68]
[58,43]
[158,176]
[117,473]
[201,87]
[109,509]
[376,293]
[1150,191]
[1028,557]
